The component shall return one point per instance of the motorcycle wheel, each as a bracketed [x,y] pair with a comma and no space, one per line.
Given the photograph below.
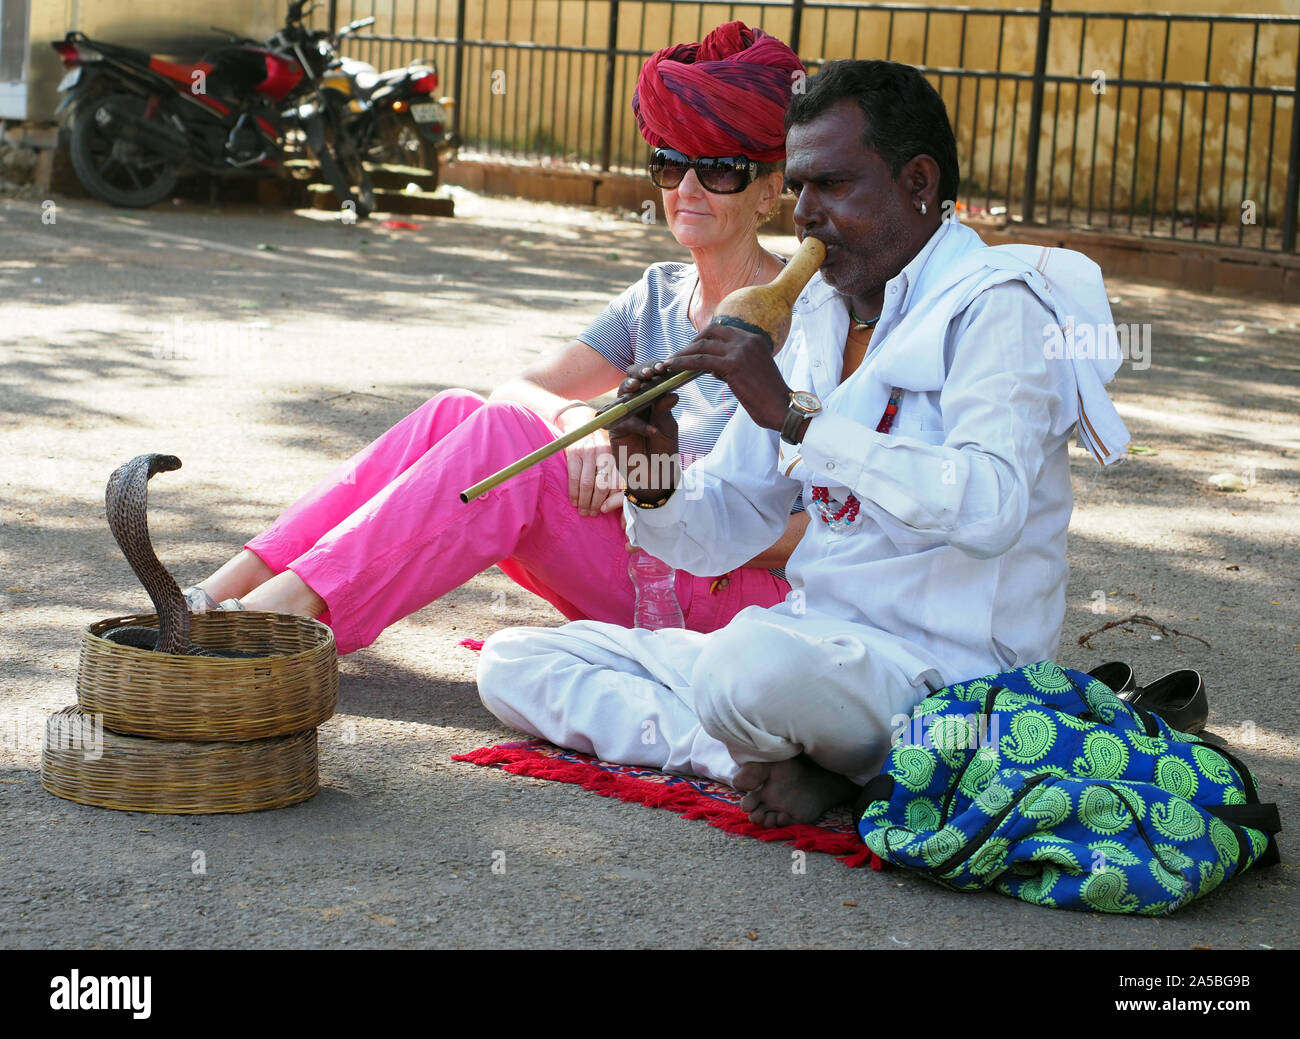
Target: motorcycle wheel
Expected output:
[115,170]
[396,139]
[341,168]
[357,174]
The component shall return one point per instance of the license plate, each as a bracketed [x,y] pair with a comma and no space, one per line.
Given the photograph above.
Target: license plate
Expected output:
[430,113]
[70,80]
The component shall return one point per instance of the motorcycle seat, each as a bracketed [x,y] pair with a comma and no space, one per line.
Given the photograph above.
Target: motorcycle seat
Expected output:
[397,75]
[366,82]
[116,50]
[371,83]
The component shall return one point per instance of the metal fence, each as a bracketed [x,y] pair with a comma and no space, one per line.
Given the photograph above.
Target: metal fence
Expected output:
[1179,126]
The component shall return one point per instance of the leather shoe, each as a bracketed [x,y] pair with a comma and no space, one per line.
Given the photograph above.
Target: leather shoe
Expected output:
[1178,697]
[1115,675]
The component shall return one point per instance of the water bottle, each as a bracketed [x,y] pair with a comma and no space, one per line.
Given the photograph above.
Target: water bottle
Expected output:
[656,593]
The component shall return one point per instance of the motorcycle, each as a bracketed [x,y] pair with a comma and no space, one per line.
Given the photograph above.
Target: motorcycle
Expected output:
[392,114]
[138,121]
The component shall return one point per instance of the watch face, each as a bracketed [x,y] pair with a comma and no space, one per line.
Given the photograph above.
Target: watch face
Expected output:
[805,401]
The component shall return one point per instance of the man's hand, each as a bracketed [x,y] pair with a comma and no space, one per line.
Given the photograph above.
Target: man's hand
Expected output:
[645,442]
[744,361]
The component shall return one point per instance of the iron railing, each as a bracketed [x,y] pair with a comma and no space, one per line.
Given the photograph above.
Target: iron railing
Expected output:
[1180,126]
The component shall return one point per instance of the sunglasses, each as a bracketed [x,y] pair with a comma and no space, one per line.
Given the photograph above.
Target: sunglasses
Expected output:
[728,175]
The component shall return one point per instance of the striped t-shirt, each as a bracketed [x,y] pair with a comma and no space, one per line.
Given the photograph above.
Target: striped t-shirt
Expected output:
[648,323]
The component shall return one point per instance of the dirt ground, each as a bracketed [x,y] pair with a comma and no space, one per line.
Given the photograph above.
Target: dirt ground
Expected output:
[264,346]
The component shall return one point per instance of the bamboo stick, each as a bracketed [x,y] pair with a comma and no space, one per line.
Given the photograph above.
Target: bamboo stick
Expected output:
[610,415]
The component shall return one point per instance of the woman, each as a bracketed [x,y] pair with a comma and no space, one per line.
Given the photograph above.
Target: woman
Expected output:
[386,534]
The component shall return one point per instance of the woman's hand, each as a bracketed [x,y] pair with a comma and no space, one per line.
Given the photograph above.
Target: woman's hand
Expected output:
[594,483]
[577,372]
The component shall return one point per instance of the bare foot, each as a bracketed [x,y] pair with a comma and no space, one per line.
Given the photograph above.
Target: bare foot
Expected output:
[797,790]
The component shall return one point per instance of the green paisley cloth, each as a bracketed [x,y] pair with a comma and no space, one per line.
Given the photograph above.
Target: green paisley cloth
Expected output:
[1044,785]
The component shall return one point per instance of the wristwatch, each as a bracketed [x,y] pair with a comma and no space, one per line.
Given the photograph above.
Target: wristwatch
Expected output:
[803,405]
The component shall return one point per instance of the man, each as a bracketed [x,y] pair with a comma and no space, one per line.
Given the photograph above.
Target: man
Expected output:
[916,408]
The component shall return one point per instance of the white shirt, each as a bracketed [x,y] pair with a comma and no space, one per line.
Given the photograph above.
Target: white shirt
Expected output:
[960,545]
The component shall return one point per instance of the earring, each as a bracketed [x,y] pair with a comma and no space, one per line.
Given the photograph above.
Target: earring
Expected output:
[923,209]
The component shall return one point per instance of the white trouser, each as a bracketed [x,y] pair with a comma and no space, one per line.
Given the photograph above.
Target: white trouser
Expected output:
[767,687]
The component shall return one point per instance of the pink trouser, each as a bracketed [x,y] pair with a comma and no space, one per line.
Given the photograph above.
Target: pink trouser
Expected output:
[386,533]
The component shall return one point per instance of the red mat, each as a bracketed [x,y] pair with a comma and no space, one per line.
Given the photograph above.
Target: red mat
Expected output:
[688,796]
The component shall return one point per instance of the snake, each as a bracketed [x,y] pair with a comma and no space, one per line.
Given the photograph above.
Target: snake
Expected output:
[126,502]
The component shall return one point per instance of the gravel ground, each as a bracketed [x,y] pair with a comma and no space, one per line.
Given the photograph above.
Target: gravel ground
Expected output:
[263,346]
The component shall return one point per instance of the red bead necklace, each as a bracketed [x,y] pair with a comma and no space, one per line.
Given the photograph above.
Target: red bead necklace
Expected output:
[848,512]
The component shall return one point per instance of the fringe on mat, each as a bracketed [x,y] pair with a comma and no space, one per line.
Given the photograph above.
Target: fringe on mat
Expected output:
[679,798]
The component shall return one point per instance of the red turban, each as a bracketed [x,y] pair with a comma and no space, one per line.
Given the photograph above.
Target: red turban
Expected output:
[726,95]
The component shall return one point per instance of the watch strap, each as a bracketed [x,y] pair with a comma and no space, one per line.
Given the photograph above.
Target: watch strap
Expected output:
[794,419]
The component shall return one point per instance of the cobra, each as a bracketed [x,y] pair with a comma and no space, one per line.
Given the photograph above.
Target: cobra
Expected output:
[125,500]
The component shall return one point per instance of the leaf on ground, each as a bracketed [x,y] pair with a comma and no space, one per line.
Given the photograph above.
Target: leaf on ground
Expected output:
[332,913]
[1141,449]
[387,921]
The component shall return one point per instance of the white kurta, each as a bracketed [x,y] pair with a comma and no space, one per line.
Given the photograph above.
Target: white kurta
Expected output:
[955,568]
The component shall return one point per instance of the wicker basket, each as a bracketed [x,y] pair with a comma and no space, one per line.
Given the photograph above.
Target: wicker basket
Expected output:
[96,767]
[143,693]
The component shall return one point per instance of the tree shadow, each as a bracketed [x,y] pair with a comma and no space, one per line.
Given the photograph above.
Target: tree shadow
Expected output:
[255,258]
